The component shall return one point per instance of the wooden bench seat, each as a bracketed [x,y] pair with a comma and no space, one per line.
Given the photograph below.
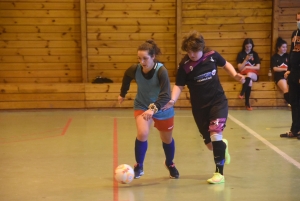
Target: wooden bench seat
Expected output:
[87,95]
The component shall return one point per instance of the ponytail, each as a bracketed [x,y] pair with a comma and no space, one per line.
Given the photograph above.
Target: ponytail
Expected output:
[151,47]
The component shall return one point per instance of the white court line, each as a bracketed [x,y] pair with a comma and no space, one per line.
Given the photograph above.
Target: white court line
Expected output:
[277,150]
[281,153]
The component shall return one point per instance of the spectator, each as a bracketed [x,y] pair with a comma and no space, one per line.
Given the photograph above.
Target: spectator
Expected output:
[248,65]
[279,64]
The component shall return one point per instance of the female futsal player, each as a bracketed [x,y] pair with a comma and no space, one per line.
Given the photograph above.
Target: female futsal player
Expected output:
[198,70]
[153,93]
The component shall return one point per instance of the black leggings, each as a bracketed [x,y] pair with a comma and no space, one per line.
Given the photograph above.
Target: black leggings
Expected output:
[294,91]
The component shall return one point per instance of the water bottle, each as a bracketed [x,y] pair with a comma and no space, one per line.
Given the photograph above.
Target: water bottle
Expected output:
[270,75]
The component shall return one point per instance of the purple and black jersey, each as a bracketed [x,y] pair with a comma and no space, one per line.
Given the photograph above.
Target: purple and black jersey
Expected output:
[202,79]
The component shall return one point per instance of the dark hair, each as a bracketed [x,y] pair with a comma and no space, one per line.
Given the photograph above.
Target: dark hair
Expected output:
[151,47]
[193,41]
[247,41]
[279,43]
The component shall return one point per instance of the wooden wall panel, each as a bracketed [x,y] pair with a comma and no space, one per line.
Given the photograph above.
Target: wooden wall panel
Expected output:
[116,28]
[265,94]
[62,41]
[40,41]
[225,24]
[86,96]
[42,96]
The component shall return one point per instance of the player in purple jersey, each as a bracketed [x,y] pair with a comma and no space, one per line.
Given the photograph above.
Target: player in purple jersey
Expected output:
[199,71]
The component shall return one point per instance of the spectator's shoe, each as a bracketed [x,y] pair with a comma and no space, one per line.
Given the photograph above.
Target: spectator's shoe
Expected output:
[227,155]
[240,96]
[216,179]
[288,134]
[138,171]
[174,174]
[249,108]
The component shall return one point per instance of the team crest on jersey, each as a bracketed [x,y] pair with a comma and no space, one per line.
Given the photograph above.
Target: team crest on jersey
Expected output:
[213,72]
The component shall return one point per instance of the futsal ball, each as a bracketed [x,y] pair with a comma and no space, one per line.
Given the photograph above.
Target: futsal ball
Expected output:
[124,174]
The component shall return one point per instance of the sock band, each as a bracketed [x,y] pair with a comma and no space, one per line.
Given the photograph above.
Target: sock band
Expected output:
[216,137]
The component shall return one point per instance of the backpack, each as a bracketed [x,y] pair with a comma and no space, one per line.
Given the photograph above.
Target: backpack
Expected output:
[100,80]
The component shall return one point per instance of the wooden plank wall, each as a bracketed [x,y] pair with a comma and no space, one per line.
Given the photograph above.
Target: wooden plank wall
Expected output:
[225,24]
[86,96]
[40,41]
[47,47]
[41,96]
[285,19]
[115,28]
[265,94]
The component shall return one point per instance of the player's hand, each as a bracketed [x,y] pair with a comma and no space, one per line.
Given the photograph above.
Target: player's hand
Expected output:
[286,74]
[120,99]
[170,104]
[147,115]
[240,78]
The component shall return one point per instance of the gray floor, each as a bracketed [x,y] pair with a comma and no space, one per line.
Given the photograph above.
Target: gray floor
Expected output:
[70,155]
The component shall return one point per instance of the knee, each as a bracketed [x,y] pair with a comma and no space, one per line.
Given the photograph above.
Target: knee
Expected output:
[142,135]
[166,137]
[217,125]
[250,83]
[209,146]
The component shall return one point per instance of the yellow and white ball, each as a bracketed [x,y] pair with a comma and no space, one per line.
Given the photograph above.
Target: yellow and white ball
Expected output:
[124,174]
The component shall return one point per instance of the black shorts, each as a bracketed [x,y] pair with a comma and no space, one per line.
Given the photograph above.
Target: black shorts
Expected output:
[278,76]
[203,116]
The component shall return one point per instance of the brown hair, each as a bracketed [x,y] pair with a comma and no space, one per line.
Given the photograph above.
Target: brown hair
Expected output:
[247,41]
[193,41]
[279,43]
[151,47]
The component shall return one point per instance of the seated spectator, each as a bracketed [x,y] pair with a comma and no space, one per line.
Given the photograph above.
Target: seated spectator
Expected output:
[248,65]
[279,64]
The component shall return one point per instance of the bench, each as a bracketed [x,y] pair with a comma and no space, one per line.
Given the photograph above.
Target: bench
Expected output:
[87,95]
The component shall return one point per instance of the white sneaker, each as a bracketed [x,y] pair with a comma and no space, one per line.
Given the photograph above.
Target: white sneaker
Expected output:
[216,179]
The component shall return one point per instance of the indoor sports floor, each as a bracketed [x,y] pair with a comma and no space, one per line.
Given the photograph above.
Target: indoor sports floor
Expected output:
[70,155]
